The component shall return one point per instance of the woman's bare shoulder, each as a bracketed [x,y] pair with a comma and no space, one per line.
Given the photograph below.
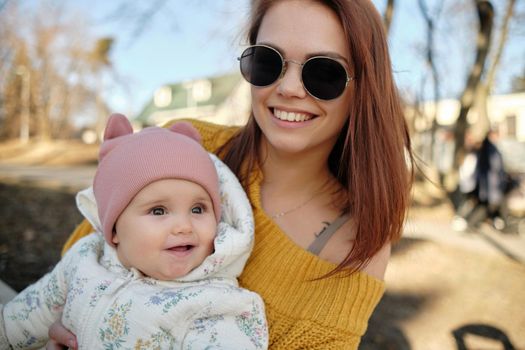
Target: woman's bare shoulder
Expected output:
[378,263]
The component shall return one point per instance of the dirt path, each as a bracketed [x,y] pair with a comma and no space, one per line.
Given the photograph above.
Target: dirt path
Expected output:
[435,288]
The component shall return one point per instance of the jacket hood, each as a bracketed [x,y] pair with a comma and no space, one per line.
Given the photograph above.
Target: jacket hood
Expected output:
[235,231]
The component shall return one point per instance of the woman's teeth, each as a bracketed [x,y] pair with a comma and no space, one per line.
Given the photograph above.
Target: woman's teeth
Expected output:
[291,116]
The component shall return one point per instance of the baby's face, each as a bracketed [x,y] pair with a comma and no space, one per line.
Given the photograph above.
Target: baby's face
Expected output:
[167,230]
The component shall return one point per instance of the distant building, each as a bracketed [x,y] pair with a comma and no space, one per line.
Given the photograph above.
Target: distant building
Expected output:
[506,115]
[222,100]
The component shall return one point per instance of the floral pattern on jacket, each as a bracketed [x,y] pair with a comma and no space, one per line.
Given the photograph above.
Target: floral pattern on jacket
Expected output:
[110,307]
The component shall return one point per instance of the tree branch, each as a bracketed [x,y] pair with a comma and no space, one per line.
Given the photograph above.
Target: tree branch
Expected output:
[486,18]
[509,11]
[389,13]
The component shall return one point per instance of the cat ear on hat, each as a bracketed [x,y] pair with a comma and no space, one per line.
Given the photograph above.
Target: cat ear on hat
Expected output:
[118,125]
[186,129]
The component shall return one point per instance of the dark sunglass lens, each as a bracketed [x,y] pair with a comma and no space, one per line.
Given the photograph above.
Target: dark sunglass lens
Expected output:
[324,78]
[260,66]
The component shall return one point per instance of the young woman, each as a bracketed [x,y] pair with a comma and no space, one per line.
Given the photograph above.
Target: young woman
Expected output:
[325,159]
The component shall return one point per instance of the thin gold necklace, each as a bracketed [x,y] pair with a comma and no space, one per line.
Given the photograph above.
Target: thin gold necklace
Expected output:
[286,212]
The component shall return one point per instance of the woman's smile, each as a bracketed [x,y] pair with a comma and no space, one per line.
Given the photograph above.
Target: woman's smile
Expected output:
[292,116]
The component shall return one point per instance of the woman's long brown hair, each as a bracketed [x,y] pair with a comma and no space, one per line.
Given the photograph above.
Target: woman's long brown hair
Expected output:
[372,157]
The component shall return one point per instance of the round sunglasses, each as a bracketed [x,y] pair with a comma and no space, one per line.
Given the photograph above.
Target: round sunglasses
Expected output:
[324,78]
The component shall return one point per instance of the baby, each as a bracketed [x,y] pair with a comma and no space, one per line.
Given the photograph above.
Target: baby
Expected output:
[161,269]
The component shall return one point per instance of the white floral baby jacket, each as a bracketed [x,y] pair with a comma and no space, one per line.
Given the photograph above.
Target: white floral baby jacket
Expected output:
[110,307]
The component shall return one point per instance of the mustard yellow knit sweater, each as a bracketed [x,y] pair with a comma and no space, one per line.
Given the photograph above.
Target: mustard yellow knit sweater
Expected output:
[330,313]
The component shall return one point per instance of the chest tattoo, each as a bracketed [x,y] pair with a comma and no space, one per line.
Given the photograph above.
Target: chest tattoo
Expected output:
[325,226]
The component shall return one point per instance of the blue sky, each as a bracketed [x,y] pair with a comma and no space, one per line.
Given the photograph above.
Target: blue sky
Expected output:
[187,42]
[201,38]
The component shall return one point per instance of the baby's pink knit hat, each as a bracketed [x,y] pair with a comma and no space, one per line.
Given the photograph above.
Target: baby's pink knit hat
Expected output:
[128,162]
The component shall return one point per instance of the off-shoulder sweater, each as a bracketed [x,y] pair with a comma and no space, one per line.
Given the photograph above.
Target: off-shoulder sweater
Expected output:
[302,312]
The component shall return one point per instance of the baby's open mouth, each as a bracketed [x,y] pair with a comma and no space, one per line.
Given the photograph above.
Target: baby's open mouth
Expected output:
[182,248]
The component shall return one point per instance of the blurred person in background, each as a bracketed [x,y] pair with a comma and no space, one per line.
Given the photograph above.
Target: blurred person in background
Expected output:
[482,183]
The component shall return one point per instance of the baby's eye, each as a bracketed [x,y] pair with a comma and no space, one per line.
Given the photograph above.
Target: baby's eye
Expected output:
[158,211]
[198,209]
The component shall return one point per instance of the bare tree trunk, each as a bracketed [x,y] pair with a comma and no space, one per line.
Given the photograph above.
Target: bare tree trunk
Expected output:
[388,15]
[100,110]
[509,12]
[43,127]
[429,52]
[486,16]
[485,87]
[429,58]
